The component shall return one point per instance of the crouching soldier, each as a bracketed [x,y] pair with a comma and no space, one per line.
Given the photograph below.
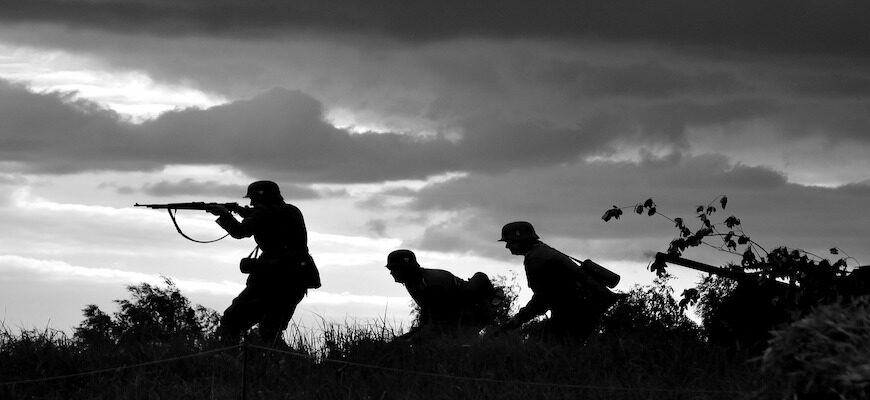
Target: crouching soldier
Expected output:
[575,295]
[447,304]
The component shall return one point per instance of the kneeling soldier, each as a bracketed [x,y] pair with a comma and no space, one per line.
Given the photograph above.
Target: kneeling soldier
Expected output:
[447,303]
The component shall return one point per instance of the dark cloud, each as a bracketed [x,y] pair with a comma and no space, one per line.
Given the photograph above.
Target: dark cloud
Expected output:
[279,132]
[566,204]
[645,81]
[190,187]
[860,188]
[828,85]
[284,134]
[207,189]
[780,25]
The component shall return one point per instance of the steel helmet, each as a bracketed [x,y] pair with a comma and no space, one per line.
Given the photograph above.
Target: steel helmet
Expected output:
[402,259]
[518,231]
[264,190]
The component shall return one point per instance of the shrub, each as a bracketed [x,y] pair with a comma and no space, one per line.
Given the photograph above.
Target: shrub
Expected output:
[826,352]
[649,310]
[151,315]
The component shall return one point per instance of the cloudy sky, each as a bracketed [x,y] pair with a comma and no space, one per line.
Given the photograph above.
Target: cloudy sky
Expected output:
[420,125]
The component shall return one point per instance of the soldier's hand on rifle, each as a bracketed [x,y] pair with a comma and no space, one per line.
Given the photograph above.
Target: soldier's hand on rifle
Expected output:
[218,210]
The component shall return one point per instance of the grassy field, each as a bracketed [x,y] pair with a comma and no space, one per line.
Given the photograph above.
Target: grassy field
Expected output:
[361,362]
[159,346]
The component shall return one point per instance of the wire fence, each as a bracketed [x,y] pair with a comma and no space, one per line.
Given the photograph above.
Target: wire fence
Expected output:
[243,359]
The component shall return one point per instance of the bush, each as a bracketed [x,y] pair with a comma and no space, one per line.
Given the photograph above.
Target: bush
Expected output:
[152,315]
[649,310]
[824,354]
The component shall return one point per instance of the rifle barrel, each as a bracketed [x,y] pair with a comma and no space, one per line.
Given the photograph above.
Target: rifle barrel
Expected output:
[699,266]
[198,205]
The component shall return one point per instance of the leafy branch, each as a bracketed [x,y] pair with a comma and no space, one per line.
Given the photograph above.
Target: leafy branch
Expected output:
[733,240]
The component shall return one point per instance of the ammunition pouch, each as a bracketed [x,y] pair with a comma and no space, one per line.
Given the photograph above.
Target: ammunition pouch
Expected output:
[305,271]
[301,268]
[251,263]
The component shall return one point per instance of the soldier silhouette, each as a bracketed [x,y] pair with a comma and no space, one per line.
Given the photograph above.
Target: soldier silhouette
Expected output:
[448,304]
[282,274]
[575,298]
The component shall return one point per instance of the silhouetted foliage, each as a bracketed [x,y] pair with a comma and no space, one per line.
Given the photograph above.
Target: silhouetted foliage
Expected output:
[363,362]
[649,311]
[510,291]
[772,288]
[151,315]
[824,355]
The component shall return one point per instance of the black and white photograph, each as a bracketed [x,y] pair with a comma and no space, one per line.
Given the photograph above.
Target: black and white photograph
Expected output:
[296,199]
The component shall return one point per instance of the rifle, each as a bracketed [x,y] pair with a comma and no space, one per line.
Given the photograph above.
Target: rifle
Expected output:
[197,205]
[173,208]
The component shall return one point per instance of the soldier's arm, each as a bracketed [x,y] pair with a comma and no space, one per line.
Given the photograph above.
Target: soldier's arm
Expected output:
[237,229]
[536,306]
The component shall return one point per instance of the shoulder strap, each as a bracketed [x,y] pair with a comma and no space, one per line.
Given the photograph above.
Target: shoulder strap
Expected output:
[177,228]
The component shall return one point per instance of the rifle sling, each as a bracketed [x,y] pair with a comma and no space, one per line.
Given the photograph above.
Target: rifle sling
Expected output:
[178,228]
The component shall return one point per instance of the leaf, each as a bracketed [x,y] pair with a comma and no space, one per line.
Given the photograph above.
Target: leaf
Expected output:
[676,247]
[678,222]
[731,222]
[835,251]
[748,258]
[651,212]
[689,297]
[711,210]
[638,209]
[743,239]
[723,201]
[649,203]
[612,213]
[700,209]
[659,267]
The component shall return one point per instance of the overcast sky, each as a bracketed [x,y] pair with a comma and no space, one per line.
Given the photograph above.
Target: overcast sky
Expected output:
[420,125]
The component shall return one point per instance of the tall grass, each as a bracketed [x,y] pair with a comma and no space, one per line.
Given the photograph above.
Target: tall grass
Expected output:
[644,350]
[361,361]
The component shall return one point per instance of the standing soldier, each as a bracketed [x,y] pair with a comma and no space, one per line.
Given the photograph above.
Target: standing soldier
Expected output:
[575,298]
[447,303]
[282,274]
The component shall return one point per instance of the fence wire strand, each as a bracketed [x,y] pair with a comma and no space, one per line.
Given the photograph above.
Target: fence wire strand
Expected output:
[502,381]
[117,369]
[244,347]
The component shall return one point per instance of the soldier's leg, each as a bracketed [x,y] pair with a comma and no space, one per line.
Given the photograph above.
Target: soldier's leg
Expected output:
[573,324]
[245,310]
[278,314]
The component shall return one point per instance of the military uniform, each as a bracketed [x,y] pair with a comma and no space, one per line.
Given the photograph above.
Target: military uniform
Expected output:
[439,295]
[274,289]
[447,303]
[575,300]
[559,285]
